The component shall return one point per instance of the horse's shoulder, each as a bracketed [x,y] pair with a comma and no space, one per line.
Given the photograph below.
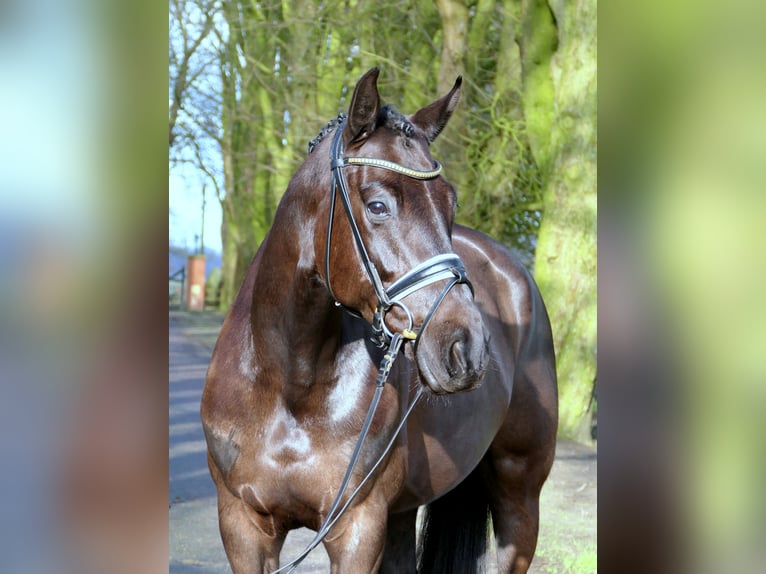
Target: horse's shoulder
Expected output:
[490,260]
[505,289]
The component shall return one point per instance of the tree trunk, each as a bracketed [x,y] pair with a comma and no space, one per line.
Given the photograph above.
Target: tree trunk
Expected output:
[454,16]
[565,140]
[450,147]
[538,42]
[228,265]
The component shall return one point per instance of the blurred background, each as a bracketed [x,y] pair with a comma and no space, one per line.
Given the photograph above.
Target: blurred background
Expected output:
[83,316]
[84,182]
[682,144]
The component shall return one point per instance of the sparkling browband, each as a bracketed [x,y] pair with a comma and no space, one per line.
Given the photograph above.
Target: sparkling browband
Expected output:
[374,162]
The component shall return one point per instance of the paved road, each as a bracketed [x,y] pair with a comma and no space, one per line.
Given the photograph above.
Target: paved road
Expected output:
[568,505]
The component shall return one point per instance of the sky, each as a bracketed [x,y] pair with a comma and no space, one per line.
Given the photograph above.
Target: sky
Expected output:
[185,217]
[43,181]
[186,182]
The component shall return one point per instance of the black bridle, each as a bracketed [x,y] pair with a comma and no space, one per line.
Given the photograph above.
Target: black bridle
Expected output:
[448,267]
[442,267]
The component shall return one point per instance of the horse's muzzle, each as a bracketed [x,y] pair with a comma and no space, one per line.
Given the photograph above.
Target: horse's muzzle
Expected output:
[455,362]
[466,360]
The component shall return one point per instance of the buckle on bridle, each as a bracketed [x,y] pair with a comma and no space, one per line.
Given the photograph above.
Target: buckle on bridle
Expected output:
[381,334]
[442,267]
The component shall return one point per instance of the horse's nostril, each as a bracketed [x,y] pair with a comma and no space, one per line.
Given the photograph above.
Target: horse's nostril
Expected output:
[457,358]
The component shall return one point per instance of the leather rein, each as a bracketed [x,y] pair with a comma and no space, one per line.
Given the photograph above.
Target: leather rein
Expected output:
[447,266]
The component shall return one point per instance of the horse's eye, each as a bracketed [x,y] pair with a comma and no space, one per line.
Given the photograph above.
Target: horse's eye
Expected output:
[378,208]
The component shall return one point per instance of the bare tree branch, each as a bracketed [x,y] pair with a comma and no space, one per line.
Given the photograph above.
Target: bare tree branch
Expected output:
[182,19]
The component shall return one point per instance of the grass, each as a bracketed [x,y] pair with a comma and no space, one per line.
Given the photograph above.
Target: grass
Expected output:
[562,558]
[567,538]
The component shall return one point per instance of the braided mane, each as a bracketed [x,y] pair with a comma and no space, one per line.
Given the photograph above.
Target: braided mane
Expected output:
[388,117]
[329,127]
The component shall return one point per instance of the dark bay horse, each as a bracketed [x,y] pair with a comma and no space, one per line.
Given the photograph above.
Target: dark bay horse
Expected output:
[295,366]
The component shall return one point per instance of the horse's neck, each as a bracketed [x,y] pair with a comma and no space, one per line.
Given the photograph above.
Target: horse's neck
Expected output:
[296,328]
[309,351]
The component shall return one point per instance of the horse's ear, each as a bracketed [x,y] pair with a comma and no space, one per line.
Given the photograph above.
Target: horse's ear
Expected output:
[435,116]
[365,105]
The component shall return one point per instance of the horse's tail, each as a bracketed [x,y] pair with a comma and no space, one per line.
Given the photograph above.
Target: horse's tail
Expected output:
[454,530]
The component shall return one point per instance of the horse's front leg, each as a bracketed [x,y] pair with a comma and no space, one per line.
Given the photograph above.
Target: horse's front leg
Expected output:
[251,541]
[355,545]
[250,548]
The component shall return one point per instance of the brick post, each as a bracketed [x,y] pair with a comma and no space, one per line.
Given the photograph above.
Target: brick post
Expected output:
[195,277]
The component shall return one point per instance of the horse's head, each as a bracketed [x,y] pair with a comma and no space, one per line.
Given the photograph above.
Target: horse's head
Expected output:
[390,255]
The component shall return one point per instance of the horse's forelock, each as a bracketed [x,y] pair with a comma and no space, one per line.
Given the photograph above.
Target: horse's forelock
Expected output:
[389,117]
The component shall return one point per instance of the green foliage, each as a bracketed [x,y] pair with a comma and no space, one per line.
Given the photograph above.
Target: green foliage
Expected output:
[486,149]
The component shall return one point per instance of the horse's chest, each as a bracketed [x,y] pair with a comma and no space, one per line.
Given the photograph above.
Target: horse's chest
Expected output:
[289,469]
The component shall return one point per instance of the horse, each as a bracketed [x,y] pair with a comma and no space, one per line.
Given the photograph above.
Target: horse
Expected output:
[388,288]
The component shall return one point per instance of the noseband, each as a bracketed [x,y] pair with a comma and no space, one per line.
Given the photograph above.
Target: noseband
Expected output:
[442,267]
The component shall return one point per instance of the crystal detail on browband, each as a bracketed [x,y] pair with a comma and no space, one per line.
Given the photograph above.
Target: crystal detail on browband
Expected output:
[413,173]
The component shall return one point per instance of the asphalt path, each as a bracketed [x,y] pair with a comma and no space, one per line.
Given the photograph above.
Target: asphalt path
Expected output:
[568,503]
